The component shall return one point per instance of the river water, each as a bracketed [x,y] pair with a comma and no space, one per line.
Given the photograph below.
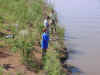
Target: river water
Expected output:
[81,20]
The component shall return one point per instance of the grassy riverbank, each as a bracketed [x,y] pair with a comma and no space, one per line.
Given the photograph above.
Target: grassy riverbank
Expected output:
[24,19]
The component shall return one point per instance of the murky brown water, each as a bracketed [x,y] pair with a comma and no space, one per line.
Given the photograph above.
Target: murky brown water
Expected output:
[81,19]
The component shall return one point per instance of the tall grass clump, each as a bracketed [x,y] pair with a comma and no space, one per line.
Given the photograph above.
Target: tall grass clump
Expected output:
[52,63]
[1,70]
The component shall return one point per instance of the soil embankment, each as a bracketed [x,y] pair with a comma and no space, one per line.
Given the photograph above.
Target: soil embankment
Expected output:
[27,48]
[11,63]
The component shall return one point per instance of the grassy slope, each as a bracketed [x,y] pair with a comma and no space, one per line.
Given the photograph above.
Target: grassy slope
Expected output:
[28,14]
[22,12]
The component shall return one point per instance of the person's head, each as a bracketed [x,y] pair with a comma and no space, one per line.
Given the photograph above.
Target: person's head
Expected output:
[52,11]
[47,17]
[44,29]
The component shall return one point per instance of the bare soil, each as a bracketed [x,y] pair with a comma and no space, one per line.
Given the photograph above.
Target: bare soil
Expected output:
[11,63]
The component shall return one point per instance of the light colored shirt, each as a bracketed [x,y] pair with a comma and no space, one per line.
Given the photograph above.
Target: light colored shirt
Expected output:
[46,24]
[53,16]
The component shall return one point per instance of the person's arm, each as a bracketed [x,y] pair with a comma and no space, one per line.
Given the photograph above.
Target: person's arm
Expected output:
[56,17]
[44,23]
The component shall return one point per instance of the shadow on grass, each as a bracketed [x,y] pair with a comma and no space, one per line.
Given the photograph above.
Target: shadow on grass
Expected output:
[4,55]
[8,66]
[65,56]
[33,66]
[2,34]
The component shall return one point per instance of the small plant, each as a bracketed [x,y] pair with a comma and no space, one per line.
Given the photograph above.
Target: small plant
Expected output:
[18,73]
[1,70]
[52,65]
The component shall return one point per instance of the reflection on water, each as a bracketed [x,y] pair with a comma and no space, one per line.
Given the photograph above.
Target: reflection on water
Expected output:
[81,19]
[75,70]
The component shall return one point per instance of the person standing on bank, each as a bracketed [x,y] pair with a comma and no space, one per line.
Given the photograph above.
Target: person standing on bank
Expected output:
[53,21]
[46,23]
[44,42]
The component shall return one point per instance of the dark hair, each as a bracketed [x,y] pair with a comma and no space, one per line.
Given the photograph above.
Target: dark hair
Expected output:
[52,11]
[44,29]
[47,17]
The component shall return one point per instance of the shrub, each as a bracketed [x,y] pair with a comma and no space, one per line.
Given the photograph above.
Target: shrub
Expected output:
[1,70]
[52,64]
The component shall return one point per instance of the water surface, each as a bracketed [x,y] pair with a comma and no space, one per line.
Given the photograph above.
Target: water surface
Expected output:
[81,19]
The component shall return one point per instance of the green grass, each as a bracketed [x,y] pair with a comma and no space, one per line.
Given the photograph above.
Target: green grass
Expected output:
[1,70]
[52,66]
[28,14]
[22,12]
